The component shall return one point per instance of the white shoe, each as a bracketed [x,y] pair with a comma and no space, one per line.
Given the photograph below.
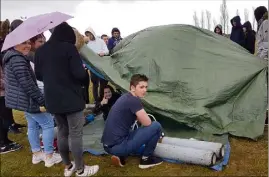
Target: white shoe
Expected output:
[69,172]
[55,159]
[38,158]
[89,170]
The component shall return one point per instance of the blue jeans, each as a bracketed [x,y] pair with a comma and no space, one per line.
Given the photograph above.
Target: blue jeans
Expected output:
[45,121]
[147,136]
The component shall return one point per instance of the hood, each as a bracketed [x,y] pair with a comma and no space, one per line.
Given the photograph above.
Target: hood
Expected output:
[12,52]
[259,12]
[115,30]
[63,33]
[248,26]
[15,23]
[237,19]
[79,39]
[89,29]
[219,27]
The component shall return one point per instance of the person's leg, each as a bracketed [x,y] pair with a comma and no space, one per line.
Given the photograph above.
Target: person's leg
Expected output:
[95,85]
[103,83]
[62,138]
[147,136]
[75,123]
[33,137]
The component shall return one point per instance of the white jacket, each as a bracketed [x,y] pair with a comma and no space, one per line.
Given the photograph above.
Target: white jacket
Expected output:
[98,45]
[262,40]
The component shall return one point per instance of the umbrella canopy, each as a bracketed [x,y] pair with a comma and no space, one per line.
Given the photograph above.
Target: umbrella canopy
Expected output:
[33,26]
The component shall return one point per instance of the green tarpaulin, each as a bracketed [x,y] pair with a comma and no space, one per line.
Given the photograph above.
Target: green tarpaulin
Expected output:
[197,79]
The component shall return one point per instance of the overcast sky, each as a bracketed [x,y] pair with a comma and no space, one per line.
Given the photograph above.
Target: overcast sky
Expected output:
[128,16]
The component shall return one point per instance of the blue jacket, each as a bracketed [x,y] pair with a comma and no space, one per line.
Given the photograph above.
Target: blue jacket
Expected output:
[237,34]
[112,42]
[21,90]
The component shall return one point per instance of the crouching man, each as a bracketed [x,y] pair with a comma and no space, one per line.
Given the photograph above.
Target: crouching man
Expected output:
[117,138]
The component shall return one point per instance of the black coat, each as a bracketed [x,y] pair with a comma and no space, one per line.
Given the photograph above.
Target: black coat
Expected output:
[249,42]
[59,65]
[237,34]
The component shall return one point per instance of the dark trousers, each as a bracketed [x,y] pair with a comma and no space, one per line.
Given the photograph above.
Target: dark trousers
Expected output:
[148,136]
[95,82]
[6,119]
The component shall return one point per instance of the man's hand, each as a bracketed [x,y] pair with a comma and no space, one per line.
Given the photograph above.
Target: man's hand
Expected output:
[43,109]
[101,54]
[104,101]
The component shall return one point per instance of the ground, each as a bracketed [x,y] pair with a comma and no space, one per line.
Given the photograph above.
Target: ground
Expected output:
[248,158]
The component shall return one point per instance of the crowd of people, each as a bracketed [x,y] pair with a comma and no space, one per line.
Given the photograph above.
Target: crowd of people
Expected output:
[48,81]
[255,42]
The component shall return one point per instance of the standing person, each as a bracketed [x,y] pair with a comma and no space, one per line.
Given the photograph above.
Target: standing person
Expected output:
[249,42]
[6,145]
[114,40]
[237,34]
[261,15]
[99,47]
[218,30]
[117,138]
[23,94]
[105,38]
[59,65]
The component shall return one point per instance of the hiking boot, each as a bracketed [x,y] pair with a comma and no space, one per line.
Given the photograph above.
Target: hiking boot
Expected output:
[69,171]
[37,158]
[11,147]
[118,161]
[88,171]
[150,162]
[55,159]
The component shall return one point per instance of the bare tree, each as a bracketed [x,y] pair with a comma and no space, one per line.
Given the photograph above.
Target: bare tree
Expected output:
[215,22]
[208,18]
[195,19]
[224,16]
[237,12]
[246,13]
[253,19]
[202,19]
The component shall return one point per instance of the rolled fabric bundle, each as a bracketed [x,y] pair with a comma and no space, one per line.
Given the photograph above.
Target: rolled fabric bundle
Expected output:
[217,148]
[186,154]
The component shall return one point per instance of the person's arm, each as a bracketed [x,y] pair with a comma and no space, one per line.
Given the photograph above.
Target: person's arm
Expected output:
[110,44]
[22,73]
[104,48]
[76,65]
[262,41]
[136,107]
[38,65]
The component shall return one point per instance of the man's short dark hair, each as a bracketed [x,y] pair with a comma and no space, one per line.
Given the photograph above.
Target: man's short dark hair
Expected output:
[104,35]
[136,78]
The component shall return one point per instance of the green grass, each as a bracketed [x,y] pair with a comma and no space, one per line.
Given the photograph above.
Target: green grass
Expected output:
[248,158]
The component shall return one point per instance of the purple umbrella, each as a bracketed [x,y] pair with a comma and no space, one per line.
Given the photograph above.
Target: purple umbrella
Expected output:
[33,26]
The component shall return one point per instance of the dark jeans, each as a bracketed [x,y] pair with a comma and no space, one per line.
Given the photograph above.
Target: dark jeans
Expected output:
[6,118]
[144,135]
[70,125]
[95,82]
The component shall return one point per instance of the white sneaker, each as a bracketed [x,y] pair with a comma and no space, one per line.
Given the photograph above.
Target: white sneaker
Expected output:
[69,172]
[38,158]
[89,170]
[56,158]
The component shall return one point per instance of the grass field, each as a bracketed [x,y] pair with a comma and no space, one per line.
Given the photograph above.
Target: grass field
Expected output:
[248,158]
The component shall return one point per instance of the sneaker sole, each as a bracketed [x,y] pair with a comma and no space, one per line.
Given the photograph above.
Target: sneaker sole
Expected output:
[50,165]
[116,161]
[148,166]
[13,150]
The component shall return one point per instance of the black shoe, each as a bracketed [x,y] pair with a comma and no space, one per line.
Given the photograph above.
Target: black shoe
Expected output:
[150,162]
[118,161]
[10,148]
[13,129]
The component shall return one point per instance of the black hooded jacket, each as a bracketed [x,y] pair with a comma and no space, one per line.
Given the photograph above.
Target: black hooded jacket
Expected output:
[249,42]
[59,65]
[237,34]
